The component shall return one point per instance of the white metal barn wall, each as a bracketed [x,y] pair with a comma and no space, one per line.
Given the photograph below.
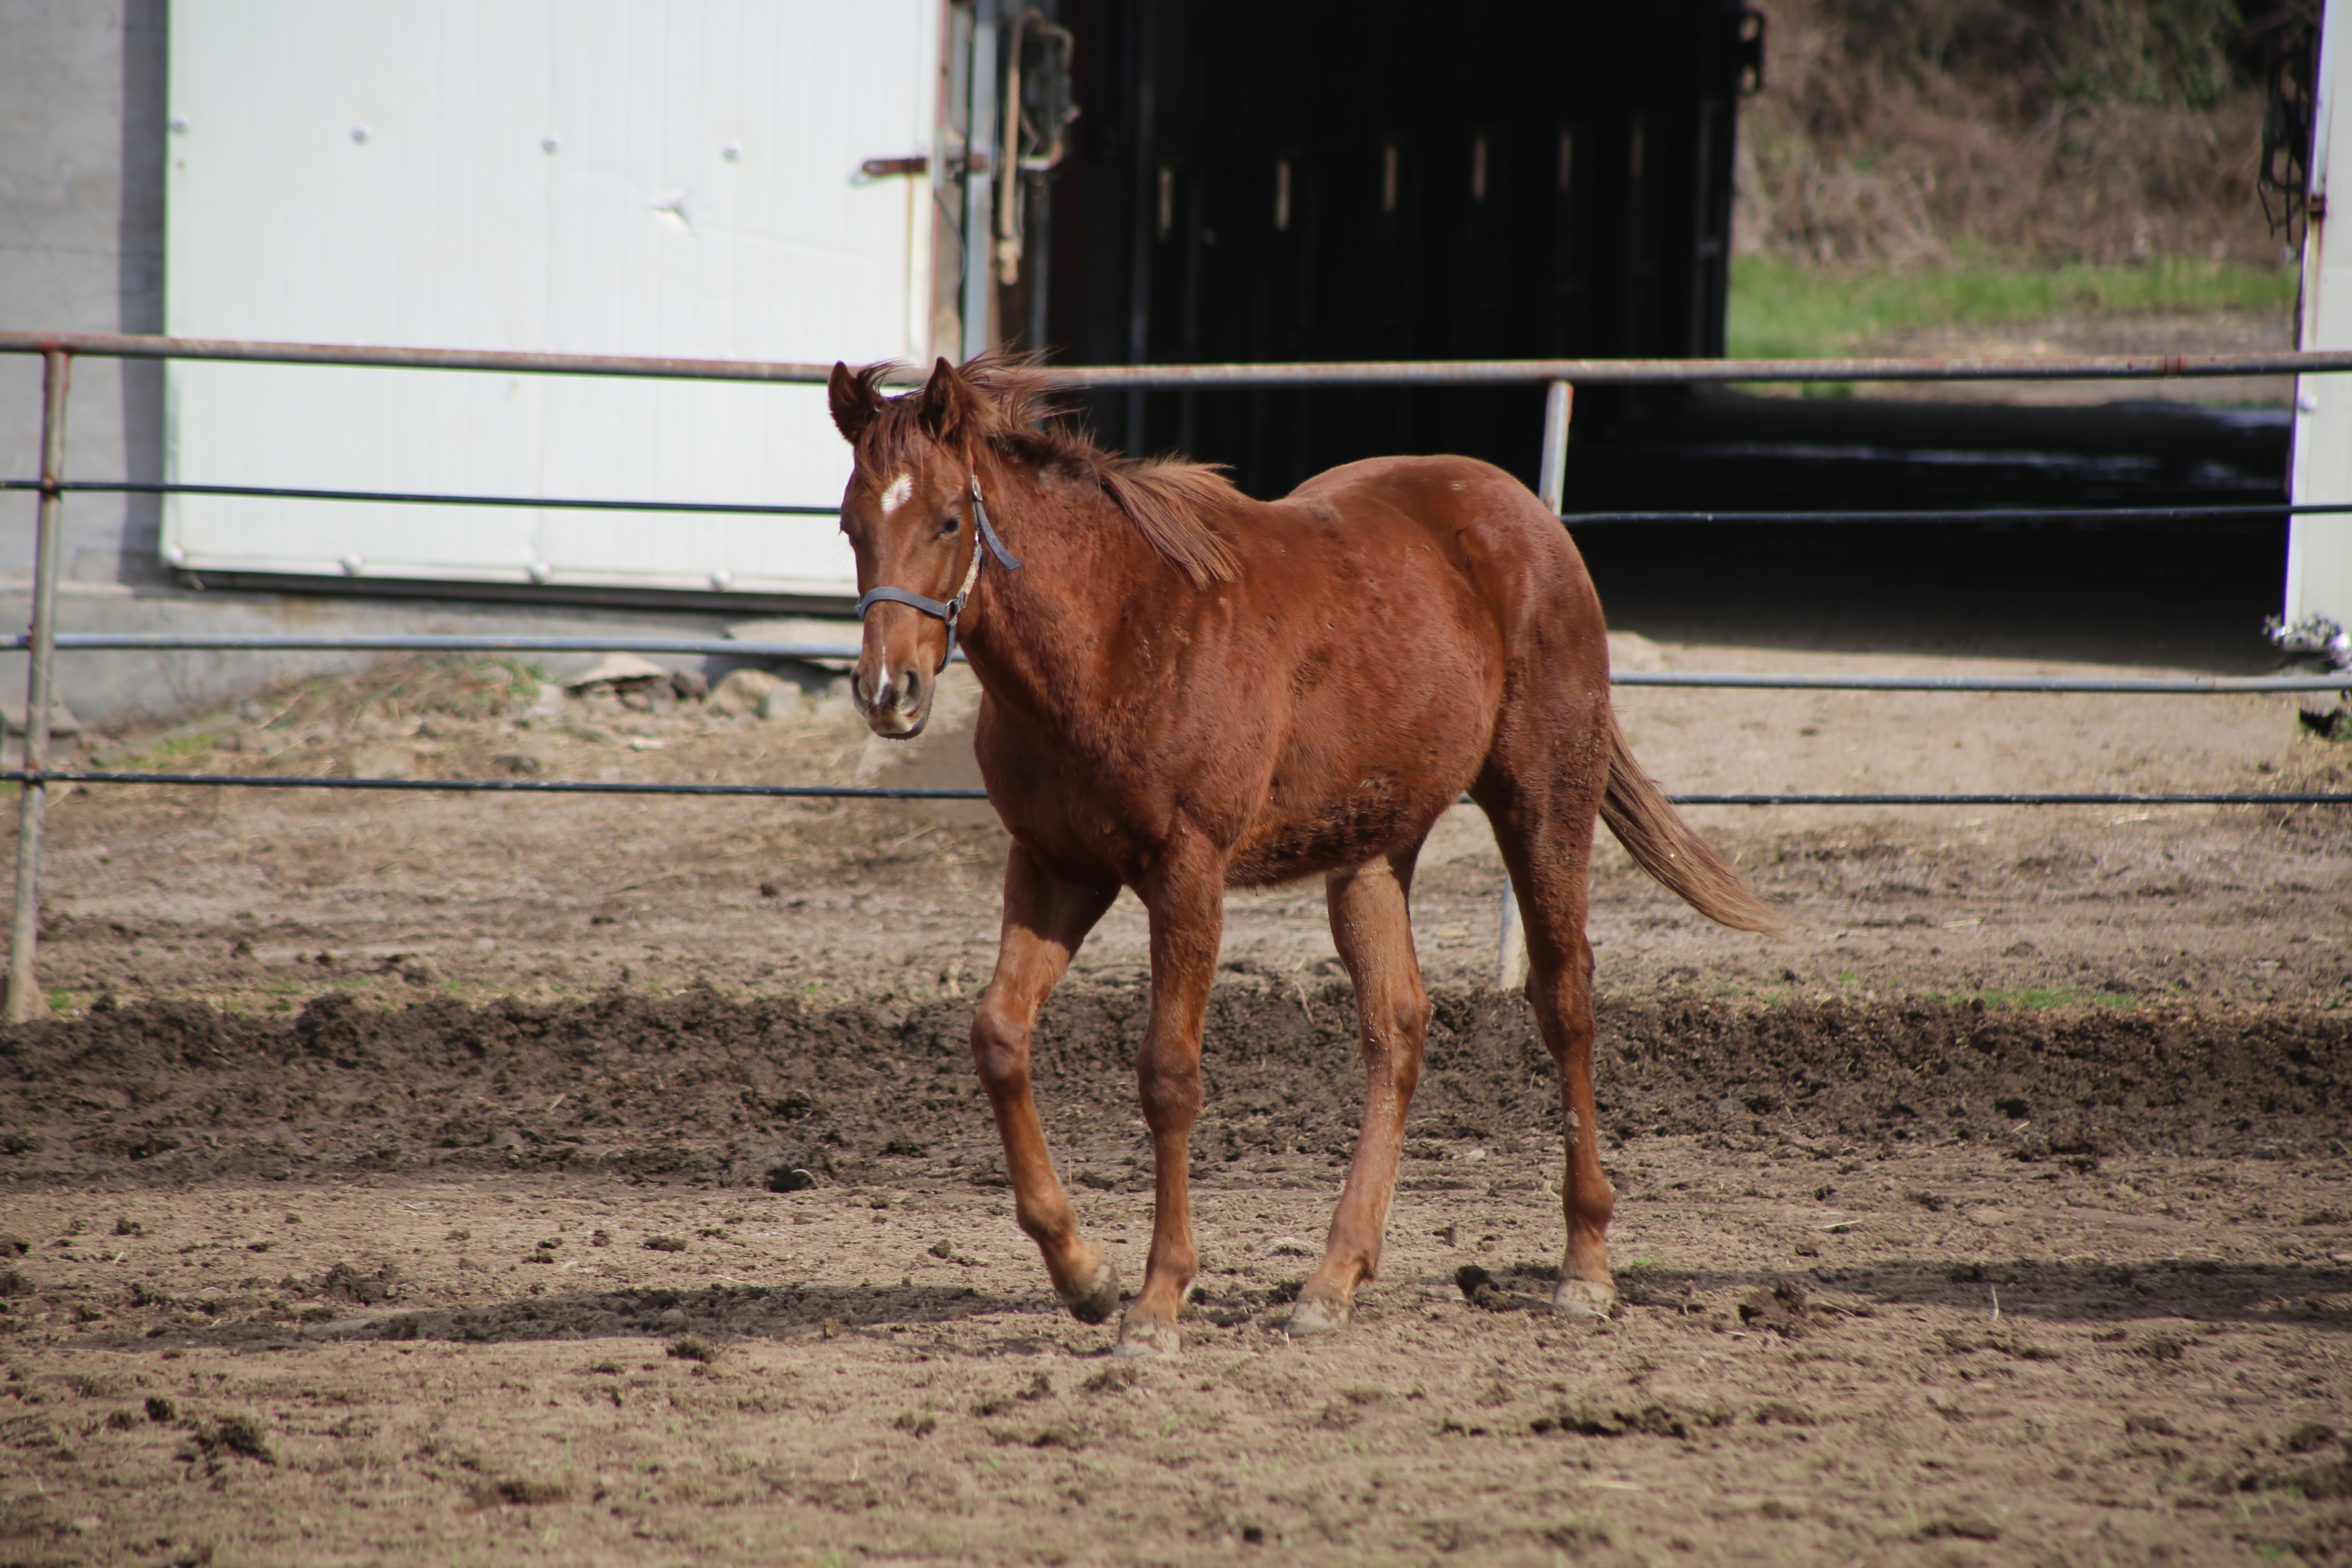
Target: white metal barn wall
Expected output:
[2319,549]
[667,178]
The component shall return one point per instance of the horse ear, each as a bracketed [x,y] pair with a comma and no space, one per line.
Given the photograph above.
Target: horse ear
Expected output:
[856,404]
[948,401]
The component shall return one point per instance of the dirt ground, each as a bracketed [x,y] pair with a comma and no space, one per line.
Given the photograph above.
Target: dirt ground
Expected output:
[1997,1215]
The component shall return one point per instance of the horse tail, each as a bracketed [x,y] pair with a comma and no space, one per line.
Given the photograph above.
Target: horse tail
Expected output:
[1664,846]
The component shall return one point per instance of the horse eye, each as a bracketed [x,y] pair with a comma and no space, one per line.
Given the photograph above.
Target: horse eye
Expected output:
[953,525]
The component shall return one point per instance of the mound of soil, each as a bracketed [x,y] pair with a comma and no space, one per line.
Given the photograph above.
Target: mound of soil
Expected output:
[705,1088]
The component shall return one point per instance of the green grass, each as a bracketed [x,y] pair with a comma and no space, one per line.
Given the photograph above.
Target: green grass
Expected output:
[1782,311]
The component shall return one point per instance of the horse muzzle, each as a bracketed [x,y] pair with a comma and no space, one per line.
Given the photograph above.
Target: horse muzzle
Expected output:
[895,708]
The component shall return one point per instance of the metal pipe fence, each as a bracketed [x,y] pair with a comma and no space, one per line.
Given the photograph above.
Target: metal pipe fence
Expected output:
[1202,377]
[42,641]
[843,653]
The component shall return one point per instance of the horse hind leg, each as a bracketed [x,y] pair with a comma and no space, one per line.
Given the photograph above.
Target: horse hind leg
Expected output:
[1045,918]
[1371,924]
[1549,856]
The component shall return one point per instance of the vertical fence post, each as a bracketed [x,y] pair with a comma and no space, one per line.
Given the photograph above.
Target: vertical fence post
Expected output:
[1551,489]
[978,187]
[1552,473]
[24,995]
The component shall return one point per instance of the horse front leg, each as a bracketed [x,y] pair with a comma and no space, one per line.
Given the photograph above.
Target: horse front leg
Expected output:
[1186,903]
[1372,927]
[1045,918]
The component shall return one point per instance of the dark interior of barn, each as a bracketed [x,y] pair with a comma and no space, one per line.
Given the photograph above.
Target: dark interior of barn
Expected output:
[1504,179]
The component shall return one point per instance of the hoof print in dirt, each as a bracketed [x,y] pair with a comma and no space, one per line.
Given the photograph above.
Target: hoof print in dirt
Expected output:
[345,1283]
[1779,1308]
[1118,1376]
[1657,1420]
[1486,1293]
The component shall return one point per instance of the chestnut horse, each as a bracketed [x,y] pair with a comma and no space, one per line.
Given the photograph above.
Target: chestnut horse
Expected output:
[1186,691]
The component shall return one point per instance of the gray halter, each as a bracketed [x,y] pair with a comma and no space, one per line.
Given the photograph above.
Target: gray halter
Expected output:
[986,543]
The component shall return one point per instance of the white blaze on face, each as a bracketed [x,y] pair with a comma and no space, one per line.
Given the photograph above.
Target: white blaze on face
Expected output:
[895,495]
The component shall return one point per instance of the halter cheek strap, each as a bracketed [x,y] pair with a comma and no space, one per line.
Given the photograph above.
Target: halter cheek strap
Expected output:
[985,542]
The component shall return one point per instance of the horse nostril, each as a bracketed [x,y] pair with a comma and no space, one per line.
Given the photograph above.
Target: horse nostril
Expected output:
[914,685]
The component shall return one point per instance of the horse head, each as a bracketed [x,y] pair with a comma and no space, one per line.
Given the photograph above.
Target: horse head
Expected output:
[914,518]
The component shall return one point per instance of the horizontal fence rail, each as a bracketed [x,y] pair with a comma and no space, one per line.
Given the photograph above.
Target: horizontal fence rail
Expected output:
[730,647]
[410,497]
[886,792]
[2248,510]
[42,641]
[1147,377]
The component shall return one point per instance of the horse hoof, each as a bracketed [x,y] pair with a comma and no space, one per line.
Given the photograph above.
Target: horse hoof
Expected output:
[1099,1298]
[1584,1299]
[1147,1337]
[1319,1315]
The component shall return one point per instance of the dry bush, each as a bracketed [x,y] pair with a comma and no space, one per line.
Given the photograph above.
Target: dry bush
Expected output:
[1905,131]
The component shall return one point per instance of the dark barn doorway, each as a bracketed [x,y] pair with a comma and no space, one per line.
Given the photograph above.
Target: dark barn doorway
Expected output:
[1504,179]
[1500,179]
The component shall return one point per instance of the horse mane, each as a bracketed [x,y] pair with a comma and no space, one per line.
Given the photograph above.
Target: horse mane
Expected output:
[1011,411]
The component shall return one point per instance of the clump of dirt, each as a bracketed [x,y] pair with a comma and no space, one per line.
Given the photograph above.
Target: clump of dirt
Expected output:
[730,1091]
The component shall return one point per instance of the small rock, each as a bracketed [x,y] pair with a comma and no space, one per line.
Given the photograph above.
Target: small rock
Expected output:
[782,702]
[743,690]
[621,671]
[646,743]
[1288,1246]
[690,685]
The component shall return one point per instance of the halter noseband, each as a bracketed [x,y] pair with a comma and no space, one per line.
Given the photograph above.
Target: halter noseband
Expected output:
[984,542]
